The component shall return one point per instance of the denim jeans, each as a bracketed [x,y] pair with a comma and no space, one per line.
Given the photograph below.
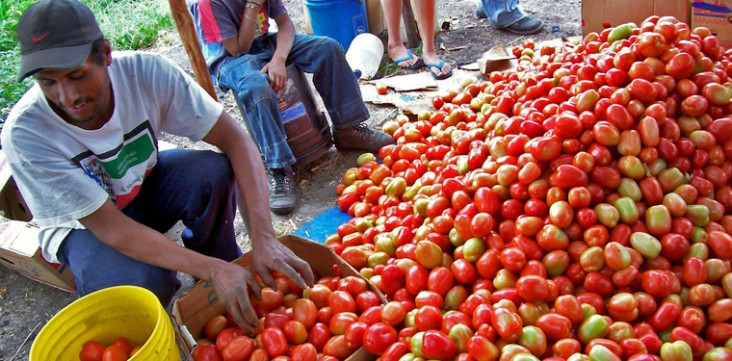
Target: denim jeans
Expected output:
[502,13]
[332,77]
[194,186]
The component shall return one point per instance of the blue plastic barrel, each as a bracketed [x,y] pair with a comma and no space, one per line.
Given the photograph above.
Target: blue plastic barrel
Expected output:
[341,20]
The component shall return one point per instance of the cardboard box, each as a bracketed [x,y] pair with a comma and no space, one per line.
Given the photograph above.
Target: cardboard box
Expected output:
[19,251]
[617,12]
[19,248]
[715,15]
[12,203]
[192,310]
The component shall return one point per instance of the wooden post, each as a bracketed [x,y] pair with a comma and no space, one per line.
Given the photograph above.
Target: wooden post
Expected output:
[187,32]
[410,25]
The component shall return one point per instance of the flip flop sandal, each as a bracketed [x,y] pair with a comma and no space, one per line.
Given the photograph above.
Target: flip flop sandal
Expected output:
[409,57]
[439,68]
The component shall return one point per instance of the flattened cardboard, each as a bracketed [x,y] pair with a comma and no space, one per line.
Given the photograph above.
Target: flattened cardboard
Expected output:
[496,59]
[19,251]
[618,12]
[192,310]
[715,15]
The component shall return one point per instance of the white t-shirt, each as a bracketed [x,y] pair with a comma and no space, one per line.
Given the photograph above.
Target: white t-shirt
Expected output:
[66,173]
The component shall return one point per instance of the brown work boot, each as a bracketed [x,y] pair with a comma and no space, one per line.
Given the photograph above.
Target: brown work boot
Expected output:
[360,137]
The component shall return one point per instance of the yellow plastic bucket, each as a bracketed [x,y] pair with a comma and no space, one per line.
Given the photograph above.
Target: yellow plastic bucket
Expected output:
[129,311]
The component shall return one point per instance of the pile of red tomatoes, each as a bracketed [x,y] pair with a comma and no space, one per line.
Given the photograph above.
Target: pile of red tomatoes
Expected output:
[575,208]
[327,322]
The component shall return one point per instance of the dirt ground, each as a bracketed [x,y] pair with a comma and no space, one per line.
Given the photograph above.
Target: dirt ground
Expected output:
[25,305]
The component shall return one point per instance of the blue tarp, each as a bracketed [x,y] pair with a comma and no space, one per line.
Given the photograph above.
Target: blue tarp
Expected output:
[323,225]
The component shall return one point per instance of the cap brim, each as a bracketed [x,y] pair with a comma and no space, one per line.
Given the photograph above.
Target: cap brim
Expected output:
[69,57]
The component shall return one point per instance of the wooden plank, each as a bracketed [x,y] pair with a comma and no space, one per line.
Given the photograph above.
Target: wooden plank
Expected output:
[187,32]
[410,25]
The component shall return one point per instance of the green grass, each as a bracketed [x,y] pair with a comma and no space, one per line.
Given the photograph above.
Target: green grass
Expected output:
[128,24]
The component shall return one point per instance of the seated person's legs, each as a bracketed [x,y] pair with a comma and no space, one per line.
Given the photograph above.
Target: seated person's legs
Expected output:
[339,89]
[243,75]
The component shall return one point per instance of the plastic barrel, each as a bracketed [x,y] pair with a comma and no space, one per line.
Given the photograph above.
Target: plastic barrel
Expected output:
[102,316]
[341,20]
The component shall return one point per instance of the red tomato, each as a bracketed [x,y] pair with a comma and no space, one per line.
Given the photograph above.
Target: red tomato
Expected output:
[114,353]
[239,349]
[437,346]
[428,318]
[319,335]
[378,337]
[295,332]
[393,313]
[206,353]
[91,351]
[271,299]
[304,311]
[340,321]
[354,334]
[274,341]
[226,336]
[304,352]
[337,347]
[532,288]
[123,343]
[341,301]
[214,326]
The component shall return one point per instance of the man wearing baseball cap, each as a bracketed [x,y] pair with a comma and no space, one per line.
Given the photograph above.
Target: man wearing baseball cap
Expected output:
[82,147]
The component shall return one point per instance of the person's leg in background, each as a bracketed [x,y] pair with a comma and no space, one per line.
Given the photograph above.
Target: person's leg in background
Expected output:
[338,87]
[507,15]
[426,23]
[251,86]
[203,197]
[398,53]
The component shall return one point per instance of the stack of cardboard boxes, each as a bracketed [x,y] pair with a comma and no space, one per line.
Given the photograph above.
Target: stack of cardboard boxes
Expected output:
[19,248]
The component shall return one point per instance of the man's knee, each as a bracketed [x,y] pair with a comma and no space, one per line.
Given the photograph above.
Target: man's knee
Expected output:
[330,46]
[254,88]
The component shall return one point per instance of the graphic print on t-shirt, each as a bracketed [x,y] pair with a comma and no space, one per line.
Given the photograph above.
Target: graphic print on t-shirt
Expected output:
[120,171]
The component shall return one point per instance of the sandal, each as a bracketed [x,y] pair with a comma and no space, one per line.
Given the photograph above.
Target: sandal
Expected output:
[439,68]
[409,57]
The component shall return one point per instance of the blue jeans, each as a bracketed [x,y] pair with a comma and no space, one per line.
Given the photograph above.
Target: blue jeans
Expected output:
[332,77]
[502,13]
[194,186]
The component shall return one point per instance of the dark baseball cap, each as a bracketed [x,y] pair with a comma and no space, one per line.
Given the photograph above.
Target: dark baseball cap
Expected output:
[55,34]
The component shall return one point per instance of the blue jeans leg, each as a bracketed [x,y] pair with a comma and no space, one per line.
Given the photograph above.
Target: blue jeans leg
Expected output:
[502,13]
[243,75]
[194,186]
[332,76]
